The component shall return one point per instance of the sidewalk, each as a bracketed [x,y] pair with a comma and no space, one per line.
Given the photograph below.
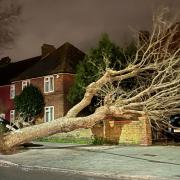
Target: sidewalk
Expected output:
[133,162]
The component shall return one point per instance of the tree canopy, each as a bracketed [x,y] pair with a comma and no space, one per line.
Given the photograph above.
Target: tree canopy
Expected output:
[106,55]
[29,103]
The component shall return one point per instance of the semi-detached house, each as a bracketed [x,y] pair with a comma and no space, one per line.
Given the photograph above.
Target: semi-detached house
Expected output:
[52,72]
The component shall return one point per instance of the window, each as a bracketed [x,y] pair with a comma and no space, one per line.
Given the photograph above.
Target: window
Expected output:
[49,113]
[49,84]
[12,116]
[25,83]
[12,91]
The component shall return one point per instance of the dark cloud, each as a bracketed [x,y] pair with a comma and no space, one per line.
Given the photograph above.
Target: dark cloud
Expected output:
[81,22]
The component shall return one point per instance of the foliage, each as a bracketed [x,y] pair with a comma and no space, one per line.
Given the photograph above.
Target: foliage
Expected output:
[29,103]
[71,140]
[98,141]
[106,55]
[3,128]
[155,69]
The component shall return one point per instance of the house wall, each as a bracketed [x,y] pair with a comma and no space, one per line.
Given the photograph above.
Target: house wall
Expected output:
[68,80]
[58,98]
[6,104]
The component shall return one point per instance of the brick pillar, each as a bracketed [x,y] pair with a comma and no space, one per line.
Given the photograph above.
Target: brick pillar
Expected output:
[146,131]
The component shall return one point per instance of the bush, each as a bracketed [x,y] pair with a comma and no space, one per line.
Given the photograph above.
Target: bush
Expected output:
[103,141]
[29,103]
[3,128]
[98,141]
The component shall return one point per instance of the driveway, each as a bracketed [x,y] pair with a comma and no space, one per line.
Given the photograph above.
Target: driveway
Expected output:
[136,162]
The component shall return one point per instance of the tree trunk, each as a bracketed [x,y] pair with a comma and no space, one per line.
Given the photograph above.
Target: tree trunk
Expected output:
[64,124]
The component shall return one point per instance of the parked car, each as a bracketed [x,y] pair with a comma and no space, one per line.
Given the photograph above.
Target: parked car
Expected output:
[174,129]
[175,122]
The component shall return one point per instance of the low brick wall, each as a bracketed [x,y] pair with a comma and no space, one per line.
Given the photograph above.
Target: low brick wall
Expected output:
[125,132]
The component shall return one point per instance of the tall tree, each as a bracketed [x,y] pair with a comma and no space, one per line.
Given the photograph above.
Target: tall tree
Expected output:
[157,98]
[29,103]
[106,55]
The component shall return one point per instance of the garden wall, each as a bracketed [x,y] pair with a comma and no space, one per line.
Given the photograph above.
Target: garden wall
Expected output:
[124,131]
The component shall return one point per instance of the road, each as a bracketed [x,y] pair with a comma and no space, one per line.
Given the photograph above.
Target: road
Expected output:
[15,173]
[153,162]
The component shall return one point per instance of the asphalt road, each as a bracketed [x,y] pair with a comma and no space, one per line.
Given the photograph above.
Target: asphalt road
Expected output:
[15,173]
[69,161]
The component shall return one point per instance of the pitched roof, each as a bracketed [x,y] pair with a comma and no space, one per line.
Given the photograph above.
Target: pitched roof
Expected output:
[10,70]
[62,60]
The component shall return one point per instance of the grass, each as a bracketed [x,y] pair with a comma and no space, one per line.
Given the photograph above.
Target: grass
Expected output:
[66,140]
[73,140]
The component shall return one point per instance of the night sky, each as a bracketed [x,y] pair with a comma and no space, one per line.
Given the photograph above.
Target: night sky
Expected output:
[81,22]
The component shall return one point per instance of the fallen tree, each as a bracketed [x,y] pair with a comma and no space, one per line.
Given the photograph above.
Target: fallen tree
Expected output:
[156,93]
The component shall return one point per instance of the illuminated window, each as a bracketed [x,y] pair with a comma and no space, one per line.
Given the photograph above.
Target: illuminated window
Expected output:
[25,83]
[48,84]
[12,91]
[48,113]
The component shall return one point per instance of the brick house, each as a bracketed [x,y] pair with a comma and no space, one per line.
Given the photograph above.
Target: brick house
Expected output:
[8,71]
[52,72]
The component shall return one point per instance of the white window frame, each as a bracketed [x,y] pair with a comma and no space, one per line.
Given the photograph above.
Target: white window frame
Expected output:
[25,83]
[47,80]
[12,91]
[48,109]
[12,116]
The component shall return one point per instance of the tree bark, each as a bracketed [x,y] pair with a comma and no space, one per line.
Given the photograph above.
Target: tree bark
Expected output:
[64,124]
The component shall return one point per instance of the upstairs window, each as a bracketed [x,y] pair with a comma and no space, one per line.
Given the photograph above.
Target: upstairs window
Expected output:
[48,84]
[12,91]
[25,83]
[49,113]
[12,116]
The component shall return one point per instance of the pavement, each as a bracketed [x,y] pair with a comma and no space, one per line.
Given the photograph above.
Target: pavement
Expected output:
[118,162]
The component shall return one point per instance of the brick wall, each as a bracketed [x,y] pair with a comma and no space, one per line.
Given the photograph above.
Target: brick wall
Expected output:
[68,80]
[125,132]
[6,104]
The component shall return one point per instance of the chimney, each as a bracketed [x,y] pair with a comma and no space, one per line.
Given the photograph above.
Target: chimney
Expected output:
[47,49]
[5,61]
